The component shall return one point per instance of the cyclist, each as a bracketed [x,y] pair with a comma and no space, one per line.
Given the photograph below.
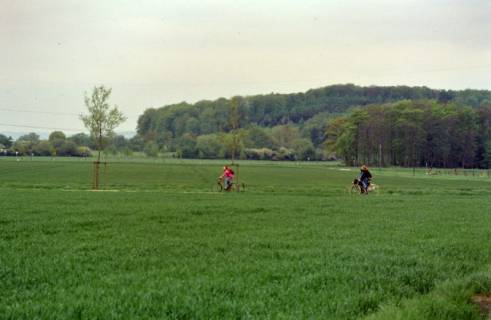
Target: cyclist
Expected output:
[364,177]
[228,177]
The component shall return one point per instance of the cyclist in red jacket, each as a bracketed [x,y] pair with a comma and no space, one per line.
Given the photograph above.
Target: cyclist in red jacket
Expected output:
[228,177]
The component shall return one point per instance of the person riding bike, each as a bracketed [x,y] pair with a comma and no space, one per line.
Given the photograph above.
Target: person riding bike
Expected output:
[228,177]
[364,177]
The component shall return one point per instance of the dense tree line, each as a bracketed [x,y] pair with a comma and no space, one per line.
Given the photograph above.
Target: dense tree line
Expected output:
[205,117]
[58,144]
[414,133]
[279,126]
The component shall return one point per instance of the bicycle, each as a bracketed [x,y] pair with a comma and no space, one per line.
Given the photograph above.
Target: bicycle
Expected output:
[357,188]
[220,186]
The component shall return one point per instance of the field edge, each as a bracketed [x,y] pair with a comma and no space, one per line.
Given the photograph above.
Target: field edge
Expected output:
[451,299]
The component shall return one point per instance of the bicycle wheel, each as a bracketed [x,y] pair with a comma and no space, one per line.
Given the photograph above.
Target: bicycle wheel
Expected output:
[355,189]
[217,187]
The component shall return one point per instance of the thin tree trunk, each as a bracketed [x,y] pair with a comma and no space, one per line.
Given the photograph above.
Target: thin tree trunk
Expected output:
[96,175]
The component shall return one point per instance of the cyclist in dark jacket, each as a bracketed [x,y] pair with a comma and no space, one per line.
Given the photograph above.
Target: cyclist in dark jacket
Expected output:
[364,177]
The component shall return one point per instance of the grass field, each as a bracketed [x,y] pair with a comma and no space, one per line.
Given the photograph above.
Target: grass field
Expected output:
[295,245]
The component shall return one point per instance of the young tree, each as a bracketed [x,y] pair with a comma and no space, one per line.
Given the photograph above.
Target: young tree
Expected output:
[234,124]
[101,121]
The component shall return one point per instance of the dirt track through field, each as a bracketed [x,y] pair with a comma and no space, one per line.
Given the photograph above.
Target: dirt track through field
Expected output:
[484,303]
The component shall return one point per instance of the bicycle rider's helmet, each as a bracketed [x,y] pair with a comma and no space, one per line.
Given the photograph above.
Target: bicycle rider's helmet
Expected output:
[364,168]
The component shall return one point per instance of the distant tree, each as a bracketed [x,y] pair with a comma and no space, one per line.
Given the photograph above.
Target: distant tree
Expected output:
[258,137]
[57,140]
[6,141]
[314,129]
[26,143]
[304,149]
[119,142]
[335,128]
[43,148]
[81,139]
[464,136]
[192,126]
[346,142]
[30,137]
[56,135]
[186,146]
[68,148]
[483,140]
[208,121]
[136,143]
[286,134]
[151,149]
[164,139]
[208,146]
[22,146]
[83,151]
[445,96]
[286,154]
[486,161]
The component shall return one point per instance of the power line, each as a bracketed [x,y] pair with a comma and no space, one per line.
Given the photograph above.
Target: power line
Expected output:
[415,72]
[49,112]
[41,112]
[39,127]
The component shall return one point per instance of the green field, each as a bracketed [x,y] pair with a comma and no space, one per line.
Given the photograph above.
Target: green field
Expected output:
[159,244]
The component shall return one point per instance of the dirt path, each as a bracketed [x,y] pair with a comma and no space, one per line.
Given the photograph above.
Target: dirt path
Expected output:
[484,303]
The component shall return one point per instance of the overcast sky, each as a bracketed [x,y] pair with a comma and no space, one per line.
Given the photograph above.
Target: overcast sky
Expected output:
[154,53]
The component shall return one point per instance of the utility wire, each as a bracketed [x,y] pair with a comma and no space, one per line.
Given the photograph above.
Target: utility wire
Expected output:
[444,69]
[49,112]
[315,78]
[39,127]
[42,112]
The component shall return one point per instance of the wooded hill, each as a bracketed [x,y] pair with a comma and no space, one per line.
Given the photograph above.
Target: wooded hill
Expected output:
[297,126]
